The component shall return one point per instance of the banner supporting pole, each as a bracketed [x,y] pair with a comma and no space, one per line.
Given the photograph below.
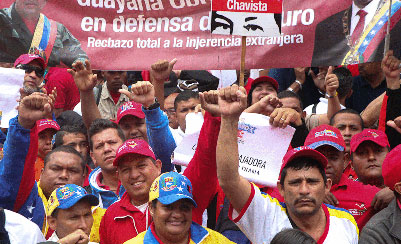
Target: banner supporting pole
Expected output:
[242,69]
[387,38]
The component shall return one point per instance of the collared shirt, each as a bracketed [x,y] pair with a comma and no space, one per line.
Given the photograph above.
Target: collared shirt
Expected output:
[370,9]
[263,217]
[356,198]
[107,107]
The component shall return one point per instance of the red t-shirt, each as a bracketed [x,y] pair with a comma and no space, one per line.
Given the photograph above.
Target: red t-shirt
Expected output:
[356,198]
[115,97]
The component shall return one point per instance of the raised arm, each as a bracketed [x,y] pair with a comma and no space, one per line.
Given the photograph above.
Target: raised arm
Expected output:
[331,84]
[86,81]
[159,73]
[232,101]
[17,176]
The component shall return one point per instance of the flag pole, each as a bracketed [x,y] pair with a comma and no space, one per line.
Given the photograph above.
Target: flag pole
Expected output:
[387,39]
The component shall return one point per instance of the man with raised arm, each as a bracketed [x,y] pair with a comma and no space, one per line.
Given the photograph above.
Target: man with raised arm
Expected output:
[303,184]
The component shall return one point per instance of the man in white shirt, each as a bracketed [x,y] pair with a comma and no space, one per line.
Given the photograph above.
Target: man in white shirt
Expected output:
[303,184]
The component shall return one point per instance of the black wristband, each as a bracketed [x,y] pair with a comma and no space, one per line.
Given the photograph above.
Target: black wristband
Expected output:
[156,104]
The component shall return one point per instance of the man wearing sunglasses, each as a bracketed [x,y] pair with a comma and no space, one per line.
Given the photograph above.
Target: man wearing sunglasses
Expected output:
[34,67]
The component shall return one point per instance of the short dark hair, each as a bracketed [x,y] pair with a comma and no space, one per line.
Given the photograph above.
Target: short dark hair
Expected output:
[292,236]
[66,149]
[100,125]
[185,96]
[286,93]
[347,111]
[345,81]
[69,129]
[303,163]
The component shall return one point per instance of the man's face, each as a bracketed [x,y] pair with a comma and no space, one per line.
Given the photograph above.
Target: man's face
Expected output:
[29,7]
[61,169]
[79,142]
[349,125]
[105,146]
[45,142]
[367,70]
[69,220]
[169,109]
[292,102]
[32,79]
[172,221]
[367,161]
[137,174]
[304,191]
[261,90]
[115,79]
[133,127]
[183,108]
[335,166]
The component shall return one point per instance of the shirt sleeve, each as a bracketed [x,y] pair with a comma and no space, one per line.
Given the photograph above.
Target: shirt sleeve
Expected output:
[261,218]
[160,138]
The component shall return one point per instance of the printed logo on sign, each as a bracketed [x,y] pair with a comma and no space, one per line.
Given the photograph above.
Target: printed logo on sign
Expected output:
[246,128]
[326,133]
[169,184]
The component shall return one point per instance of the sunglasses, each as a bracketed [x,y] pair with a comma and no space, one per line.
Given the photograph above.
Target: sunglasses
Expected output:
[29,68]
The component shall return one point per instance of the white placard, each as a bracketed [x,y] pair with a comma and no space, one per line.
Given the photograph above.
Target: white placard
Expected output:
[184,151]
[261,148]
[11,81]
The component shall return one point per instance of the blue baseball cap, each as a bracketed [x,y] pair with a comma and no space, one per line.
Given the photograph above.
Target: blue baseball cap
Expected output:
[67,196]
[171,187]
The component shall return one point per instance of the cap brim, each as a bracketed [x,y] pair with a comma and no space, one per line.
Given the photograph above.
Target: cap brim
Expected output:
[380,143]
[93,201]
[329,143]
[173,198]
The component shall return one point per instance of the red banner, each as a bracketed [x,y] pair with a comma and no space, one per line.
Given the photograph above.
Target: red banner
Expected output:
[133,34]
[262,6]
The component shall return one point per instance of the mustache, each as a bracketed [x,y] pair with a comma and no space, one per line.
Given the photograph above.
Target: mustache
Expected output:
[300,199]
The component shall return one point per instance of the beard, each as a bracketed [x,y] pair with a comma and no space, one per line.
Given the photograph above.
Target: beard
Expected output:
[29,90]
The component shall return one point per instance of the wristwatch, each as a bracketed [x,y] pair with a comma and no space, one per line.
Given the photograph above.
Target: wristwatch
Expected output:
[156,104]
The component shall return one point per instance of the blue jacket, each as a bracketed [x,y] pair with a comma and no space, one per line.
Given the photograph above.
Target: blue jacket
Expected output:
[106,197]
[160,138]
[19,191]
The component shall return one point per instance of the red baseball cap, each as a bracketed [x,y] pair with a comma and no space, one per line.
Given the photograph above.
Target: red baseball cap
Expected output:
[325,135]
[303,152]
[27,58]
[130,108]
[44,124]
[391,167]
[134,146]
[376,136]
[268,79]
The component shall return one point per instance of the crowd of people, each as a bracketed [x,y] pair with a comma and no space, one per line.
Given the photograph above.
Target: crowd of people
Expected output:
[88,158]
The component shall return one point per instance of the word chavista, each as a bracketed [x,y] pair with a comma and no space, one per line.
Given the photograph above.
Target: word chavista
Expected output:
[247,6]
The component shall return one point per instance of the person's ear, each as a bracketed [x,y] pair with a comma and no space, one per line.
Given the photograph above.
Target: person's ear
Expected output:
[93,158]
[328,186]
[280,188]
[158,165]
[303,114]
[151,209]
[397,187]
[52,222]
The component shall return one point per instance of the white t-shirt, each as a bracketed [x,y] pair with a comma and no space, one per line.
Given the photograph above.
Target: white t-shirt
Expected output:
[21,230]
[321,107]
[263,217]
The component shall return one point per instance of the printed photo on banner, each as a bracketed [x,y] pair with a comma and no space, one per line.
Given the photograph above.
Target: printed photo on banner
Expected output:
[25,29]
[357,34]
[246,17]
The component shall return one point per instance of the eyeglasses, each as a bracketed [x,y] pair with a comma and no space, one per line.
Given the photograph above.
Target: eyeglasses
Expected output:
[29,68]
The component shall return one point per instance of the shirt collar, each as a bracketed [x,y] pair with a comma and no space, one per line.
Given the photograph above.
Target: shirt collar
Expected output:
[341,183]
[370,8]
